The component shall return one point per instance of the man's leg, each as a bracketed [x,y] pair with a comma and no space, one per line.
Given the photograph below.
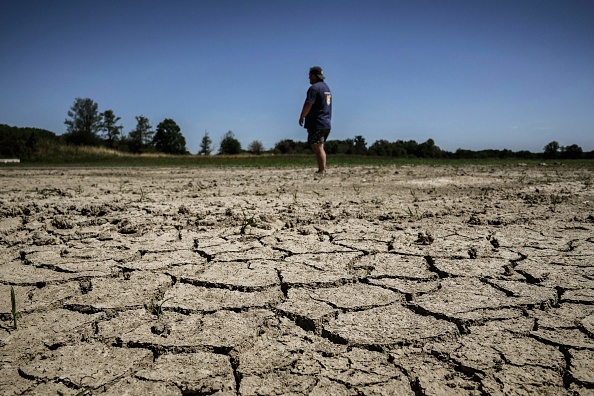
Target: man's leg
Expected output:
[318,150]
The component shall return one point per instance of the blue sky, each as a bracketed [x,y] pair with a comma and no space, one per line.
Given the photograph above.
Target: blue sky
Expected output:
[472,74]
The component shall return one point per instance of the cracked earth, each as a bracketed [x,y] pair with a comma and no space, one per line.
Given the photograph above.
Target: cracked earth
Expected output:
[475,280]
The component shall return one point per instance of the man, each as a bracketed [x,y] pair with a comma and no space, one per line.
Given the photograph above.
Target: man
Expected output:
[316,115]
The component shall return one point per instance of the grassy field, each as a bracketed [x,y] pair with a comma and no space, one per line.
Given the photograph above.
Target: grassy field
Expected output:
[101,157]
[267,161]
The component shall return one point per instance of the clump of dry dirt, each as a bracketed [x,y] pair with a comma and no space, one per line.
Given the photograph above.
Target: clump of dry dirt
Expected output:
[389,280]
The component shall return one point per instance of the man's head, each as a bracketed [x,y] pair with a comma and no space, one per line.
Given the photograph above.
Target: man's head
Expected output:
[316,74]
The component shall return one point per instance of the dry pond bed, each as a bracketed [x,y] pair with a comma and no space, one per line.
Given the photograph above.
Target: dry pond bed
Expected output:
[373,280]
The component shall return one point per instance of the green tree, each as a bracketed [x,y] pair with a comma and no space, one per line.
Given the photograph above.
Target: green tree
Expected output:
[406,149]
[346,146]
[169,139]
[256,147]
[332,146]
[428,150]
[572,152]
[229,145]
[205,145]
[359,145]
[551,150]
[111,131]
[84,123]
[285,146]
[380,148]
[142,136]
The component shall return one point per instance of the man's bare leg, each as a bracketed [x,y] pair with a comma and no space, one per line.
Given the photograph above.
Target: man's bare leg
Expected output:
[318,150]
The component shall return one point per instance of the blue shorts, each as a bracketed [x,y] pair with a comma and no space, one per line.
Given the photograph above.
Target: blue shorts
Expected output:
[317,136]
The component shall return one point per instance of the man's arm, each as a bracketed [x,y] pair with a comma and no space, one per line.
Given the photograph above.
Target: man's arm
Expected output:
[305,111]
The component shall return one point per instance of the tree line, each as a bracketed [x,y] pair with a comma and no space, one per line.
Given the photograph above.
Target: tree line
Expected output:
[86,126]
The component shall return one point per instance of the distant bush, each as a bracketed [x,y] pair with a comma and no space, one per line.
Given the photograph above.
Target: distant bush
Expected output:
[256,147]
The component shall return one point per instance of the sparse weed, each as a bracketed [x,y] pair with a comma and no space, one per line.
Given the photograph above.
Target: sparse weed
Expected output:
[416,215]
[79,189]
[377,201]
[141,195]
[157,308]
[247,222]
[122,183]
[413,193]
[357,189]
[554,200]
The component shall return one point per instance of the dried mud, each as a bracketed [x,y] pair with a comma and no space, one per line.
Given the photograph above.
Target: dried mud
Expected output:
[390,280]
